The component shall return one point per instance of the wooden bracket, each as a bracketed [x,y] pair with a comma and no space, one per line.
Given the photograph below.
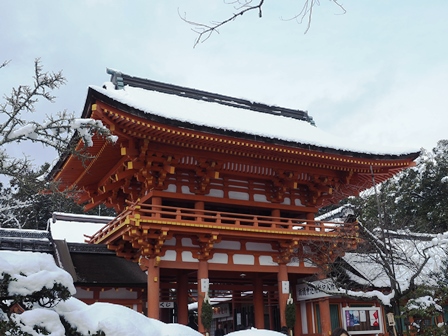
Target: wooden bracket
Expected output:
[286,249]
[206,243]
[205,171]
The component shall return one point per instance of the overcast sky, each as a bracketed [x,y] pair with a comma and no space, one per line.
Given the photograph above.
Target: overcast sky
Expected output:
[377,74]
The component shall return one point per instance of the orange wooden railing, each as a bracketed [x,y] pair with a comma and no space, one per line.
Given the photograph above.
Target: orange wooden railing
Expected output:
[148,212]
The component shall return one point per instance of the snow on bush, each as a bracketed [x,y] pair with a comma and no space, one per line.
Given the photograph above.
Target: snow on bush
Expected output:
[34,271]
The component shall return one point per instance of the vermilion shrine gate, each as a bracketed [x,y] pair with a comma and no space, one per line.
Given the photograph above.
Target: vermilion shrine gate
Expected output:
[219,188]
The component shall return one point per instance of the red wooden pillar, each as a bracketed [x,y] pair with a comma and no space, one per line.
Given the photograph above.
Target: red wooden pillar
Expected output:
[157,201]
[282,297]
[275,213]
[309,318]
[325,319]
[258,303]
[310,216]
[298,331]
[202,274]
[153,288]
[199,206]
[182,298]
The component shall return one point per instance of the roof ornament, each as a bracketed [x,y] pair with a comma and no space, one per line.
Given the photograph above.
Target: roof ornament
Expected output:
[116,78]
[310,119]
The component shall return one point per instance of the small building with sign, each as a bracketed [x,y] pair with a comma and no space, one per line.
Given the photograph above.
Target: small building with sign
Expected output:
[358,317]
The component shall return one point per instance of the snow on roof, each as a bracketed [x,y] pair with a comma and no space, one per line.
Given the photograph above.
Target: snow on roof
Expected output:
[408,259]
[25,240]
[339,213]
[231,118]
[74,228]
[13,233]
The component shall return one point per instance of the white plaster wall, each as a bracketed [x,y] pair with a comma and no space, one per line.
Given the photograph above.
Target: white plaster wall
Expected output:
[216,193]
[171,188]
[239,195]
[226,244]
[188,257]
[266,261]
[294,262]
[250,246]
[287,201]
[186,190]
[219,258]
[260,198]
[170,242]
[298,202]
[243,259]
[187,242]
[169,256]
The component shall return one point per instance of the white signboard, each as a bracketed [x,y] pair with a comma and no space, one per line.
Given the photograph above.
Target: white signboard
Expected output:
[285,287]
[204,285]
[315,289]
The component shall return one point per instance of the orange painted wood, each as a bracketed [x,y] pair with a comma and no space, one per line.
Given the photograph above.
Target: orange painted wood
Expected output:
[202,274]
[325,318]
[282,297]
[153,288]
[298,331]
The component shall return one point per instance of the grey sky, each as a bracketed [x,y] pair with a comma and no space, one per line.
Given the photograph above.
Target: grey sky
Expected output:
[378,74]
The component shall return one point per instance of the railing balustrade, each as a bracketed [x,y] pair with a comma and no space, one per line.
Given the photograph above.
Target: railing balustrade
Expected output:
[189,215]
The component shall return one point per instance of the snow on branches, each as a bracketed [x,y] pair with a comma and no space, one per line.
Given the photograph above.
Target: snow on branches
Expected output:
[55,131]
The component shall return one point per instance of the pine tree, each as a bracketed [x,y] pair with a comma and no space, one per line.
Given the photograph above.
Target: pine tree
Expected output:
[412,200]
[30,201]
[206,313]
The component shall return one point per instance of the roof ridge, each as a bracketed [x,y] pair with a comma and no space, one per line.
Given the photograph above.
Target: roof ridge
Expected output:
[120,80]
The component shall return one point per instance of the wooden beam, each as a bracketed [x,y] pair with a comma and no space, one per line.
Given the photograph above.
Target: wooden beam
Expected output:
[124,174]
[111,186]
[97,200]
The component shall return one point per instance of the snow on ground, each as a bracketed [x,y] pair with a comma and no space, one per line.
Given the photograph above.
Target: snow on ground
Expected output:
[36,270]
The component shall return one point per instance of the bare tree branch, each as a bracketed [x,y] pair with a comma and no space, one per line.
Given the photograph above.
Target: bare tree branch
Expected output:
[5,63]
[204,31]
[307,12]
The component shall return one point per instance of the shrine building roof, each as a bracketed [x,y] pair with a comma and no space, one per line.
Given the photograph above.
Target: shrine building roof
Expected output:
[223,115]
